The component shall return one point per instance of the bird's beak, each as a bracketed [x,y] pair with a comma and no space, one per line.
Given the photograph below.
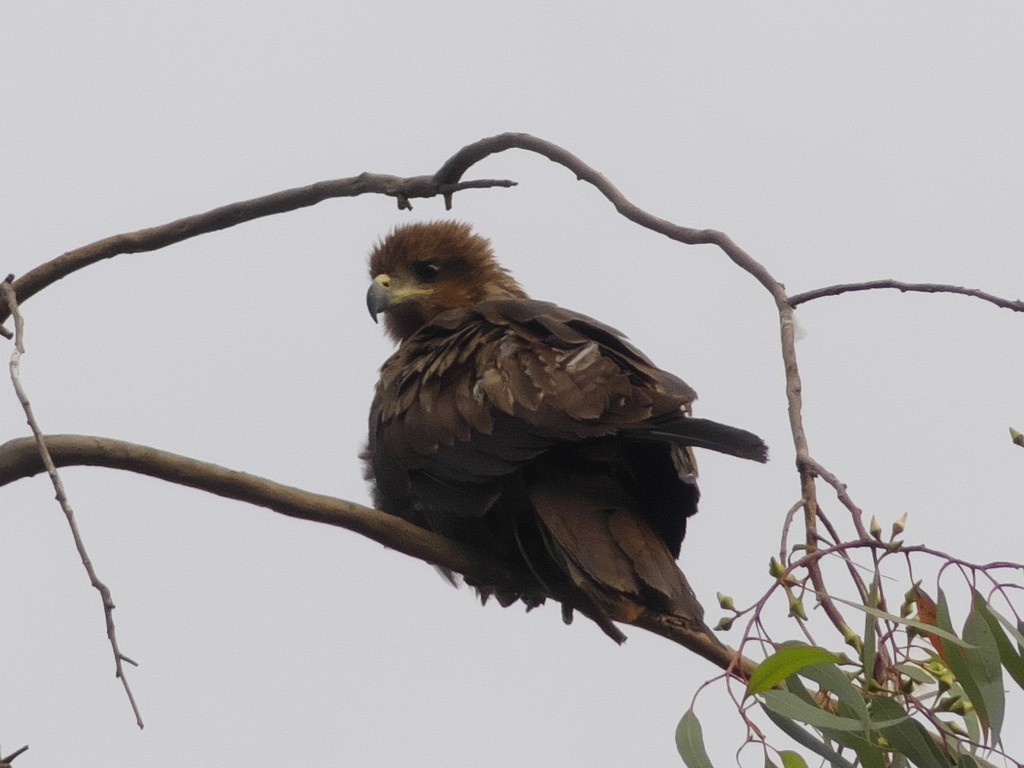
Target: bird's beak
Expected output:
[379,296]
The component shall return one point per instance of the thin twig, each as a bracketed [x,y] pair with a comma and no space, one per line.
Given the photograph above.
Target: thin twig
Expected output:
[835,290]
[862,588]
[842,494]
[784,541]
[62,499]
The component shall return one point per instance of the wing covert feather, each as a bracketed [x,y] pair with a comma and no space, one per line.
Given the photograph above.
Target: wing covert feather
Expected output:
[568,377]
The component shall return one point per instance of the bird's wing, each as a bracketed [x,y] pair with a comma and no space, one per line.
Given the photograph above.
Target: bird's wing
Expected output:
[477,393]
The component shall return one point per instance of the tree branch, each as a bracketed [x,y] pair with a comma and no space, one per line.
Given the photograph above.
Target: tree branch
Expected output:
[154,238]
[20,458]
[39,445]
[835,290]
[457,165]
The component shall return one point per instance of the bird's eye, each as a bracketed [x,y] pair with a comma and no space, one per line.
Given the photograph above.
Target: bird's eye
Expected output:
[426,271]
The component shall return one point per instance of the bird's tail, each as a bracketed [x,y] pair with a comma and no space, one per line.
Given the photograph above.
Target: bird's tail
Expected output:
[702,433]
[608,553]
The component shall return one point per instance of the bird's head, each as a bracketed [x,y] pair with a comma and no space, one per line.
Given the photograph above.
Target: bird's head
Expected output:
[422,270]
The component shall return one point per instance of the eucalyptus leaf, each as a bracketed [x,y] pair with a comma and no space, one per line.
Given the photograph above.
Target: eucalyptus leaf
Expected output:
[957,661]
[1011,659]
[792,759]
[784,662]
[908,737]
[984,662]
[792,706]
[690,742]
[805,739]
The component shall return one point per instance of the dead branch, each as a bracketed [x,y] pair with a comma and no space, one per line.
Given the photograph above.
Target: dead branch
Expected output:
[5,762]
[58,486]
[154,238]
[20,458]
[835,290]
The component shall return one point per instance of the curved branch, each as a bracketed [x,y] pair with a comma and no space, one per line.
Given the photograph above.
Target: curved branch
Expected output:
[461,161]
[154,238]
[20,458]
[835,290]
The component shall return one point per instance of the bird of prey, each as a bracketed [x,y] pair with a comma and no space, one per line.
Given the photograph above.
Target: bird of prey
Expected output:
[532,431]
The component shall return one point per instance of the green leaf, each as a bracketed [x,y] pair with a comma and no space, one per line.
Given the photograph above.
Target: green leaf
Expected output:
[783,663]
[690,742]
[831,678]
[870,649]
[967,761]
[916,674]
[965,666]
[984,662]
[805,739]
[869,755]
[973,726]
[792,706]
[908,737]
[792,759]
[927,628]
[1012,660]
[1016,632]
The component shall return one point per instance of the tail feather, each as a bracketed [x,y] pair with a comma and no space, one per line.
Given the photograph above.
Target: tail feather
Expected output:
[702,433]
[608,552]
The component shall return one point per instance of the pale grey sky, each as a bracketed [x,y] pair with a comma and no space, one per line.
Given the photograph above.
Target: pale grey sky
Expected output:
[834,143]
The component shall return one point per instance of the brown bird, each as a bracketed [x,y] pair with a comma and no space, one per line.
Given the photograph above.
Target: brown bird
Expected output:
[533,431]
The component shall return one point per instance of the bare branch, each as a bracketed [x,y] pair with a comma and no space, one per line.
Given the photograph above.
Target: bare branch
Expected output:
[41,452]
[461,161]
[841,493]
[835,290]
[154,238]
[19,458]
[6,761]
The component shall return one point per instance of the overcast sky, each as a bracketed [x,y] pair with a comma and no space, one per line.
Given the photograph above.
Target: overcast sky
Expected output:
[835,144]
